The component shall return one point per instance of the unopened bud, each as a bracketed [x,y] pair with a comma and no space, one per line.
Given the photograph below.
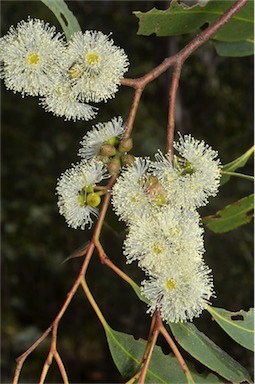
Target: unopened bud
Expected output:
[93,199]
[111,141]
[114,166]
[127,159]
[125,145]
[107,150]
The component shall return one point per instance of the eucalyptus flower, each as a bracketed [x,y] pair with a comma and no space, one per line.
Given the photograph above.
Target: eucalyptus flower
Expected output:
[102,133]
[77,200]
[96,65]
[32,55]
[180,293]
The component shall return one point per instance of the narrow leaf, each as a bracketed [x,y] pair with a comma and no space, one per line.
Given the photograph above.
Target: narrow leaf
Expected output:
[235,164]
[127,354]
[208,353]
[238,325]
[232,216]
[240,175]
[65,17]
[178,20]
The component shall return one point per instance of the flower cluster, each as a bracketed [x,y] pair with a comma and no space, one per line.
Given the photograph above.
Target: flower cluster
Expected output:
[78,195]
[36,61]
[158,201]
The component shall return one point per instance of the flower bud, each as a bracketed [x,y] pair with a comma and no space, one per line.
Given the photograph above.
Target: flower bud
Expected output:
[112,140]
[125,145]
[93,199]
[127,159]
[107,150]
[114,166]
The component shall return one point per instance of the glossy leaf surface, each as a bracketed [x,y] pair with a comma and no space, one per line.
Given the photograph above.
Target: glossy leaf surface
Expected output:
[208,353]
[127,354]
[238,325]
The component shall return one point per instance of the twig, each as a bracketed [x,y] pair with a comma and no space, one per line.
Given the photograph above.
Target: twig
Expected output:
[176,352]
[178,60]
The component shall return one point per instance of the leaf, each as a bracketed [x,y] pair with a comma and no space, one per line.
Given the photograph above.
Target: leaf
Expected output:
[232,216]
[127,354]
[238,325]
[235,164]
[179,20]
[204,350]
[234,48]
[65,17]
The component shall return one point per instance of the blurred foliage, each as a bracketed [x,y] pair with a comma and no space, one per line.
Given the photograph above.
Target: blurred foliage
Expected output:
[215,102]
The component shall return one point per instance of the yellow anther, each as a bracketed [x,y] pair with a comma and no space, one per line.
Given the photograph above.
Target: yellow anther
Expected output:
[170,284]
[33,58]
[92,58]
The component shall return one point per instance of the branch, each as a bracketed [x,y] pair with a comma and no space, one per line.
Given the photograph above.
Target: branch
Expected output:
[177,61]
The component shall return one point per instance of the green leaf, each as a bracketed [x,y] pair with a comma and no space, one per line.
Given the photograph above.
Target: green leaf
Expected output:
[65,17]
[127,354]
[232,216]
[235,164]
[234,48]
[238,325]
[178,20]
[208,353]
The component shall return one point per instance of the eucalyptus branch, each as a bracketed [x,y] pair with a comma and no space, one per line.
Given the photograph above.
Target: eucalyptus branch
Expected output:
[177,61]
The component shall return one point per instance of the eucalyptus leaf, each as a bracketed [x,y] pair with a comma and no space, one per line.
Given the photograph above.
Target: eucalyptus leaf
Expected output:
[235,164]
[65,17]
[232,216]
[127,354]
[238,325]
[208,353]
[234,48]
[178,20]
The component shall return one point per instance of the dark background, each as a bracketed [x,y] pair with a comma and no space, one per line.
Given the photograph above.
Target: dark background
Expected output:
[215,102]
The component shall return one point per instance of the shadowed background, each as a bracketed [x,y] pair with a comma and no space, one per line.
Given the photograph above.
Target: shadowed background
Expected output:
[215,103]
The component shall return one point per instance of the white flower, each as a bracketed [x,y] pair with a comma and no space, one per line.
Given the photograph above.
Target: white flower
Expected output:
[32,55]
[189,180]
[73,188]
[167,236]
[61,101]
[129,197]
[101,133]
[96,65]
[180,293]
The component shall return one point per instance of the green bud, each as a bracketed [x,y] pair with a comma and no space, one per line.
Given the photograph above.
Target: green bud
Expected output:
[188,169]
[93,199]
[127,159]
[107,150]
[114,166]
[112,141]
[125,145]
[89,189]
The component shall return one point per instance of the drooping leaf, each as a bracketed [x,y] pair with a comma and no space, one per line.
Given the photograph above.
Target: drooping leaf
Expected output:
[65,17]
[234,48]
[208,353]
[127,354]
[238,325]
[235,164]
[232,216]
[178,20]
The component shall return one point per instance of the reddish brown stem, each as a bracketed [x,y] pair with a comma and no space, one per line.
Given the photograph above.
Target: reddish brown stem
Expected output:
[177,60]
